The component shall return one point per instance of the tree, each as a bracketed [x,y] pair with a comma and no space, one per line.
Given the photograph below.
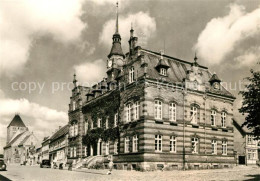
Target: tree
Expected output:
[251,103]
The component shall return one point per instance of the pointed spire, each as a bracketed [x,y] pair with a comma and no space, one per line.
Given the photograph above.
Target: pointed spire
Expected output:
[117,31]
[75,80]
[195,58]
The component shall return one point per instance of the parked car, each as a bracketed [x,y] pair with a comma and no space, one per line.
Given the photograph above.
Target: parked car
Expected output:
[2,164]
[45,164]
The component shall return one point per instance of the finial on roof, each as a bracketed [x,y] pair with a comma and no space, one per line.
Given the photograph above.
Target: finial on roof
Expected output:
[195,58]
[117,17]
[162,53]
[75,80]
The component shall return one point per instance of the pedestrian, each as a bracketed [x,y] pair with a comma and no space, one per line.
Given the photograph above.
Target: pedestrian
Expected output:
[110,165]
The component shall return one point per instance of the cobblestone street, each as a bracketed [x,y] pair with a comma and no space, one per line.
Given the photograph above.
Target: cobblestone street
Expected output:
[29,173]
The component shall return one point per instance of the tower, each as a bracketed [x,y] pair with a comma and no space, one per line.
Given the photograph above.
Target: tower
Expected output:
[132,41]
[116,55]
[16,125]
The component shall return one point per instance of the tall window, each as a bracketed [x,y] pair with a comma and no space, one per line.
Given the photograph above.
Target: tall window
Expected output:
[195,145]
[73,105]
[173,144]
[163,71]
[106,124]
[86,127]
[135,143]
[223,119]
[116,120]
[75,151]
[251,140]
[158,143]
[107,148]
[116,147]
[172,111]
[213,117]
[76,129]
[194,114]
[158,109]
[128,112]
[98,122]
[131,75]
[127,144]
[92,125]
[224,147]
[136,110]
[71,151]
[214,147]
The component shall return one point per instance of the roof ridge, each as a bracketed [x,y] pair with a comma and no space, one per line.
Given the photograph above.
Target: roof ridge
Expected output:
[168,56]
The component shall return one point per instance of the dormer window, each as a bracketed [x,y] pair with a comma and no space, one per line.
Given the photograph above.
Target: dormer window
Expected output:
[163,71]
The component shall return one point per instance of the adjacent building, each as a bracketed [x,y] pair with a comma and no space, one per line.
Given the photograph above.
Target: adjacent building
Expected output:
[58,147]
[45,148]
[20,142]
[246,147]
[152,111]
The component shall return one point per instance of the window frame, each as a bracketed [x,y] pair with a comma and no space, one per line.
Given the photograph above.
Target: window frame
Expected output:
[158,107]
[163,71]
[194,109]
[214,147]
[136,110]
[213,117]
[195,146]
[158,143]
[173,112]
[127,144]
[135,143]
[131,75]
[224,147]
[173,144]
[223,119]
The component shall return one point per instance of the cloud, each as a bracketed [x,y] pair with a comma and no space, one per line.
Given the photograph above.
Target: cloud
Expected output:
[40,119]
[222,34]
[249,58]
[91,72]
[21,20]
[144,26]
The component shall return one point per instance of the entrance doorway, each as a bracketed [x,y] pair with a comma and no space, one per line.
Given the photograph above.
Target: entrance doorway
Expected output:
[241,160]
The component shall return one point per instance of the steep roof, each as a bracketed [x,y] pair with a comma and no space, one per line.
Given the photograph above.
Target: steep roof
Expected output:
[178,71]
[116,49]
[14,140]
[62,131]
[24,140]
[17,121]
[239,120]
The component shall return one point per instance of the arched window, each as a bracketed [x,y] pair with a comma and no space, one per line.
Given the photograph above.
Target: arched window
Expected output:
[131,74]
[194,113]
[223,119]
[213,117]
[172,112]
[158,109]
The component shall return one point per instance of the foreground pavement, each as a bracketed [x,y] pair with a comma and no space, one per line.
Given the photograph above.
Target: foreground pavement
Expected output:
[34,173]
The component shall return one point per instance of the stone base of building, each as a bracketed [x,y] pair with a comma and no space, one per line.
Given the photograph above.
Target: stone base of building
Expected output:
[166,166]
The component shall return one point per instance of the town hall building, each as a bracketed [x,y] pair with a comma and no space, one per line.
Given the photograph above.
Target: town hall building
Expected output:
[152,111]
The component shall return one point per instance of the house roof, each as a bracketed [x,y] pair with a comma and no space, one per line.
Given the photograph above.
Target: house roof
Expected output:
[17,121]
[24,140]
[178,71]
[116,50]
[61,132]
[14,140]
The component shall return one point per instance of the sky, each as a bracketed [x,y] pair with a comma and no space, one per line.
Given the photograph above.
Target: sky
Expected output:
[43,42]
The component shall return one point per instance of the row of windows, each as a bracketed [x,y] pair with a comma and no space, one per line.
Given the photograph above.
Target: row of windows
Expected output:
[131,74]
[158,142]
[134,144]
[194,113]
[99,123]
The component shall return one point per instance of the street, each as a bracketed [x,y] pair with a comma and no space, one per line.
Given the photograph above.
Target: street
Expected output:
[34,173]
